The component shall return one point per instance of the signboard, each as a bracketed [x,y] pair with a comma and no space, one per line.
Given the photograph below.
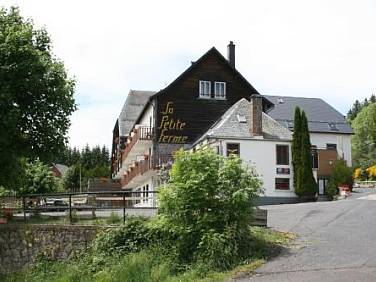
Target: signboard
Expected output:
[171,129]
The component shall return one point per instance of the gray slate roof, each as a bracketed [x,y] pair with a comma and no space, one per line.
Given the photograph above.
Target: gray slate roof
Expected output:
[229,125]
[321,116]
[133,106]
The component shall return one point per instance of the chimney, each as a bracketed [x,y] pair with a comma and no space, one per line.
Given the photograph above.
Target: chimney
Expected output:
[231,54]
[256,115]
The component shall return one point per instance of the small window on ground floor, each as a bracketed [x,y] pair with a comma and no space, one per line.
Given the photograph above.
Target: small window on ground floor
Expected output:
[331,146]
[145,193]
[282,183]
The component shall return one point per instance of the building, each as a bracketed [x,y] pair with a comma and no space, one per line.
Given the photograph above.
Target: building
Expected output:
[58,170]
[188,113]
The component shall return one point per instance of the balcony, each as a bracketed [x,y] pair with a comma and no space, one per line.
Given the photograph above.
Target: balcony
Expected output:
[139,141]
[138,171]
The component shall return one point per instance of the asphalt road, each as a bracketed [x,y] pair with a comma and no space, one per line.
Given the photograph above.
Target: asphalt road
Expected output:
[336,241]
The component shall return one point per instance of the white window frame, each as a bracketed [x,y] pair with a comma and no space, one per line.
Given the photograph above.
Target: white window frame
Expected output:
[203,84]
[220,95]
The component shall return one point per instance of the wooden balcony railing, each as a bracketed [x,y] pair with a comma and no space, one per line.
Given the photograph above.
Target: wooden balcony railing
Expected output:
[154,162]
[140,133]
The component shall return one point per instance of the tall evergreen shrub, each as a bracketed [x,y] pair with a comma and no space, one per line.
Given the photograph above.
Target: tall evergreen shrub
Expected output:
[306,186]
[296,142]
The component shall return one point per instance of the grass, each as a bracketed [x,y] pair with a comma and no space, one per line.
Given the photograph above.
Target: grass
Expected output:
[149,265]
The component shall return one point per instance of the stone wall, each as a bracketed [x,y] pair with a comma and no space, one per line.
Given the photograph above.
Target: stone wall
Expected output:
[20,244]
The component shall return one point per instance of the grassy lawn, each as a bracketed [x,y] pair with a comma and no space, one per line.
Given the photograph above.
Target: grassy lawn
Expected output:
[150,265]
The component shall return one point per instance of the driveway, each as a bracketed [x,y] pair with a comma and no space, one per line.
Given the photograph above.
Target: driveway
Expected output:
[336,241]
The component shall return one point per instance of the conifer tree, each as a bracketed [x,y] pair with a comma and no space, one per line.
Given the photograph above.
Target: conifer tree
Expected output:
[296,143]
[306,185]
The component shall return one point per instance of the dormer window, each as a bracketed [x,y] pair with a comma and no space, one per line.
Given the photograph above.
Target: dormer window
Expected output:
[220,90]
[205,89]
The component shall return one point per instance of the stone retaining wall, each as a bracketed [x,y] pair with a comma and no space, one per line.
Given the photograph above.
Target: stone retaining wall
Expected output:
[20,244]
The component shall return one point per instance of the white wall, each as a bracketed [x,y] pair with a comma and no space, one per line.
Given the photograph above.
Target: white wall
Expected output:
[145,119]
[343,142]
[149,202]
[261,154]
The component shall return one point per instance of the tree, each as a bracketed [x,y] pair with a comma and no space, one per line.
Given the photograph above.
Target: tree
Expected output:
[39,179]
[364,139]
[357,107]
[71,180]
[36,96]
[296,142]
[208,200]
[306,186]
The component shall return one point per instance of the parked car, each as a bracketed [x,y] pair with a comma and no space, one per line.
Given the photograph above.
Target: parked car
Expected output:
[49,204]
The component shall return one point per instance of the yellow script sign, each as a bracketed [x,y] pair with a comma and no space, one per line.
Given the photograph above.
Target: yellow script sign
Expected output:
[168,124]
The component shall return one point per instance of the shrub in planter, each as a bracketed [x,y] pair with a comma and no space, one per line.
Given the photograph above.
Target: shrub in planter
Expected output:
[341,175]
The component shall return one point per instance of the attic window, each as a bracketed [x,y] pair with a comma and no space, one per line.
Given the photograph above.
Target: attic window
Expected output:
[205,89]
[241,119]
[333,126]
[220,90]
[280,100]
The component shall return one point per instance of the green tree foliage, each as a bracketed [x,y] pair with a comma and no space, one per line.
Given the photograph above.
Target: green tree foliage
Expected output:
[71,179]
[39,179]
[364,139]
[36,96]
[306,186]
[342,174]
[358,106]
[209,199]
[95,158]
[296,142]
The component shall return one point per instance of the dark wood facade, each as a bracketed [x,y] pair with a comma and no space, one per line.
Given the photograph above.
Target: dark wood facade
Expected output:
[182,116]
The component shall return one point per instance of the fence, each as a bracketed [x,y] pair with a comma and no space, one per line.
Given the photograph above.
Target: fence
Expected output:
[79,205]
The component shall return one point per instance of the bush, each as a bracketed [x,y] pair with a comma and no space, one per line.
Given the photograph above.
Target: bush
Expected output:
[218,250]
[114,218]
[342,174]
[133,236]
[206,196]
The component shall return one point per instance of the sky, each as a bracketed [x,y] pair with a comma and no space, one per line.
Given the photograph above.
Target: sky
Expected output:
[324,49]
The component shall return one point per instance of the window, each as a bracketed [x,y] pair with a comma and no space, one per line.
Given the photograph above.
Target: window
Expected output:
[241,118]
[220,90]
[331,146]
[205,89]
[145,193]
[282,155]
[282,183]
[315,157]
[333,126]
[233,149]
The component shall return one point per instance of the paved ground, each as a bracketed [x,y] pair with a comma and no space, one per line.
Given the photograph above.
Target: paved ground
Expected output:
[336,241]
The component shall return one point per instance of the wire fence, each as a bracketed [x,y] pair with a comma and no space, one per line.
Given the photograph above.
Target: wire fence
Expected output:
[73,206]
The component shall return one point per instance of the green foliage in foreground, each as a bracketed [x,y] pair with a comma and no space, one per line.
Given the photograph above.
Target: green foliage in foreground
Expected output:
[148,264]
[207,207]
[201,231]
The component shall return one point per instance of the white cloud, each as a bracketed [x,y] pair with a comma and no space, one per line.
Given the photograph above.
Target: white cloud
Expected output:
[304,48]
